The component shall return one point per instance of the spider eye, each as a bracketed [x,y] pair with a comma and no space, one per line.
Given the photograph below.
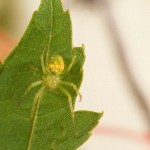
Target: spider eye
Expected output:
[56,64]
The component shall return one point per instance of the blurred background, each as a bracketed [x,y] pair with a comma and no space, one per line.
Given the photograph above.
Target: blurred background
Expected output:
[116,34]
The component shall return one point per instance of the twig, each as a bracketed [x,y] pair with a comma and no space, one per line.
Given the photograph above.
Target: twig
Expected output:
[123,60]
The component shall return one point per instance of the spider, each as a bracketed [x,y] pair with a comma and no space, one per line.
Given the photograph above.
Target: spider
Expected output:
[52,69]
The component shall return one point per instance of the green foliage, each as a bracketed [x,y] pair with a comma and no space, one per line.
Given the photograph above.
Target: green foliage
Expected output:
[51,128]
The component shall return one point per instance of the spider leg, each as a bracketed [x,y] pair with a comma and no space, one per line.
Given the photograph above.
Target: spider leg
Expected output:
[71,64]
[74,87]
[47,57]
[37,99]
[43,63]
[69,100]
[46,63]
[32,86]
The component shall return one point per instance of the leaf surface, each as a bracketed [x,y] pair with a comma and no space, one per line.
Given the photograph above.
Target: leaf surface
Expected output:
[50,125]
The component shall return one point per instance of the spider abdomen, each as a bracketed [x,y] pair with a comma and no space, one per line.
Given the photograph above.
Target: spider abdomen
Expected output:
[56,64]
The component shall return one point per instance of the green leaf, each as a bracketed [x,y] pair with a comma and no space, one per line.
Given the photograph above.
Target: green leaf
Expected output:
[48,123]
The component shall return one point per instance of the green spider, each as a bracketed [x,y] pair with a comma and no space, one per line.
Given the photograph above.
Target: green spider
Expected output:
[52,69]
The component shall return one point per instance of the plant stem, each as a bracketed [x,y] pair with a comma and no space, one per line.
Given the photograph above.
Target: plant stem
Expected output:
[140,97]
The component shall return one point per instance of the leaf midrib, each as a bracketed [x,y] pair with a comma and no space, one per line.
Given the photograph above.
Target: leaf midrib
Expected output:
[38,102]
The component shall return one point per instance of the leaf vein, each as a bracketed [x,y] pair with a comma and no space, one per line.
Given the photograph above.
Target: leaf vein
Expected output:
[53,112]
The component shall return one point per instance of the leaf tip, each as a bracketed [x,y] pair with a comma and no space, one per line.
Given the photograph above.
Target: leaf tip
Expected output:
[68,11]
[101,114]
[83,46]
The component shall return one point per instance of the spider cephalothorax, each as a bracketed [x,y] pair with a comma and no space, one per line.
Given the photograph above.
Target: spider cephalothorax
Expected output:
[51,81]
[52,68]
